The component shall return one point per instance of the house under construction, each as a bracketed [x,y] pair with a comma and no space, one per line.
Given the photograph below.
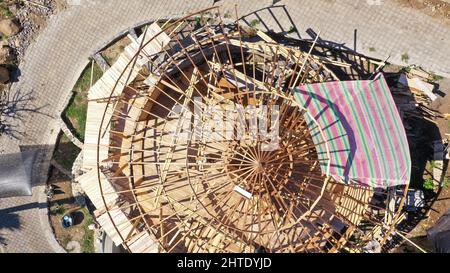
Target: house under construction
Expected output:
[175,160]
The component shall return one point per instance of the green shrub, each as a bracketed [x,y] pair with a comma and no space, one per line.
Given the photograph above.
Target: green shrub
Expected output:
[87,245]
[446,182]
[254,23]
[436,77]
[58,210]
[428,184]
[405,57]
[4,11]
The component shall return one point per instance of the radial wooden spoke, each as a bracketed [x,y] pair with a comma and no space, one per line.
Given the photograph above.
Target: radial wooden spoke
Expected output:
[168,177]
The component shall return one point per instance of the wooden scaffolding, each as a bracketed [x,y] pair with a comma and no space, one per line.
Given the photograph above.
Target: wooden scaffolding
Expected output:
[165,175]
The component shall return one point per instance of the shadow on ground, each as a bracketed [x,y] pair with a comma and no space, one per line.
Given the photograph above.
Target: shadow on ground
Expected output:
[15,108]
[10,214]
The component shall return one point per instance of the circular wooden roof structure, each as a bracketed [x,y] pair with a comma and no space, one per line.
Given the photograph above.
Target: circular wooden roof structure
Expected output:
[181,164]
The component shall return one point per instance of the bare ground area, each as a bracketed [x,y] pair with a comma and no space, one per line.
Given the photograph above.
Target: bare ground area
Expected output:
[112,53]
[77,238]
[62,204]
[438,9]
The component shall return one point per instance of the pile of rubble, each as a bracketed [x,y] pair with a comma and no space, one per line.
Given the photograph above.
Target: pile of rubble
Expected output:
[434,8]
[19,29]
[32,16]
[8,28]
[414,94]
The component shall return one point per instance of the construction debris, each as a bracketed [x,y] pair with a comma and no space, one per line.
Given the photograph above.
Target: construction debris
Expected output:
[414,95]
[417,85]
[9,27]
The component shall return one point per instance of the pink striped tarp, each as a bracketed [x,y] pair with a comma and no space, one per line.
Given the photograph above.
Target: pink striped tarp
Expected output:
[363,129]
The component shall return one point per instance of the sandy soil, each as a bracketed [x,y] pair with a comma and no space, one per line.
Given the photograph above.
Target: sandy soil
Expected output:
[63,198]
[111,54]
[438,9]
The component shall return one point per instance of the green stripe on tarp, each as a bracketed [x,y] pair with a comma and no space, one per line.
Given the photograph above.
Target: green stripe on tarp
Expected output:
[365,134]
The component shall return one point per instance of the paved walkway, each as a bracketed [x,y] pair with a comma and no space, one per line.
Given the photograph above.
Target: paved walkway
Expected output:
[20,226]
[377,31]
[59,55]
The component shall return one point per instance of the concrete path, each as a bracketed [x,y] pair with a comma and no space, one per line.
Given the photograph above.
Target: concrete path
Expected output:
[60,53]
[376,30]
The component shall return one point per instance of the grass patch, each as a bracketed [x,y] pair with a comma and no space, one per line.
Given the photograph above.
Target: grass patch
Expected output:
[428,184]
[406,69]
[405,57]
[227,14]
[87,245]
[108,59]
[76,112]
[436,78]
[198,21]
[4,11]
[254,23]
[66,240]
[372,49]
[58,210]
[430,165]
[84,82]
[446,182]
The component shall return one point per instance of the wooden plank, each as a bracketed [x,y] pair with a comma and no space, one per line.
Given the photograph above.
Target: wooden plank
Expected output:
[90,185]
[143,243]
[121,223]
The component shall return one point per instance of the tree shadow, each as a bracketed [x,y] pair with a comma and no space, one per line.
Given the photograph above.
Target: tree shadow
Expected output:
[10,219]
[15,108]
[11,222]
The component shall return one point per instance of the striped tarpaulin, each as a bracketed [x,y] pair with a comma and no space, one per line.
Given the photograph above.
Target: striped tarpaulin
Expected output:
[366,140]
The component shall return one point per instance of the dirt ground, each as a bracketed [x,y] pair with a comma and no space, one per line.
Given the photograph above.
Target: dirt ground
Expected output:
[63,203]
[442,203]
[438,9]
[111,54]
[443,106]
[419,234]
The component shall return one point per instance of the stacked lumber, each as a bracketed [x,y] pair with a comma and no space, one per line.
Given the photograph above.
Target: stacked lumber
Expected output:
[90,184]
[113,83]
[93,127]
[117,231]
[414,95]
[127,67]
[143,243]
[418,86]
[122,229]
[106,86]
